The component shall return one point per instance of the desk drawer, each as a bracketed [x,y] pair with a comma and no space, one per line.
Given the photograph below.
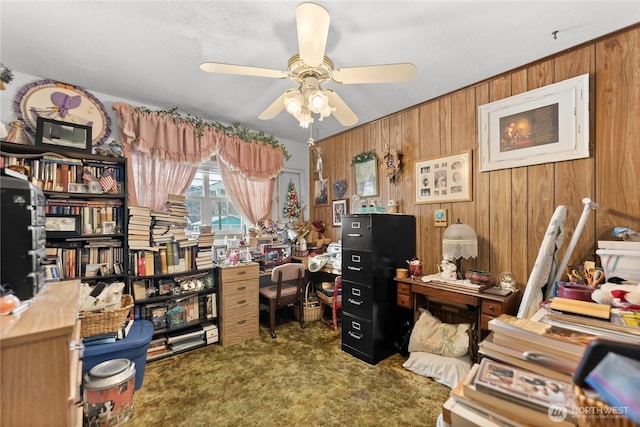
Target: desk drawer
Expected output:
[404,288]
[404,301]
[491,308]
[240,295]
[246,272]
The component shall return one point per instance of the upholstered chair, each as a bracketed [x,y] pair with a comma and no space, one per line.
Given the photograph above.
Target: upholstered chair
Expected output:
[287,290]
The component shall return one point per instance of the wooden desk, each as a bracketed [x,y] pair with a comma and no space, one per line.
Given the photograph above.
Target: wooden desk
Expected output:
[456,306]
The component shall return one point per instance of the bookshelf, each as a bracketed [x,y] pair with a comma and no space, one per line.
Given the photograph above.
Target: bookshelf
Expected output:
[182,307]
[86,224]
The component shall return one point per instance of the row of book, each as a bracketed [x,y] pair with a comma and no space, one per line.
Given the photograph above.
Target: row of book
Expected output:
[99,258]
[52,172]
[93,214]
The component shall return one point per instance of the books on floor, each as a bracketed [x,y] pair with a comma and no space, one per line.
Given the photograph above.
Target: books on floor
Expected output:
[541,334]
[516,397]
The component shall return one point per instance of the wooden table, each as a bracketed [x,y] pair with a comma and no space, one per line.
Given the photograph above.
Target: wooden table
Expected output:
[455,305]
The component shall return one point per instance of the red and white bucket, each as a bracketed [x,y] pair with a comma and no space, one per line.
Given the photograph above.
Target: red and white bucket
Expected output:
[108,393]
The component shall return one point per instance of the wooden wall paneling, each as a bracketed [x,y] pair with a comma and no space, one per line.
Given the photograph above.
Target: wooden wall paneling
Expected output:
[575,180]
[429,238]
[481,190]
[617,130]
[519,202]
[463,137]
[512,208]
[541,198]
[500,197]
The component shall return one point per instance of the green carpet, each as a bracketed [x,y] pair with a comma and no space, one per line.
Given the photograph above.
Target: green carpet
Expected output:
[301,378]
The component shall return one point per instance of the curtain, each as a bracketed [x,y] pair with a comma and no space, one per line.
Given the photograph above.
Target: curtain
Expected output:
[248,172]
[154,179]
[164,154]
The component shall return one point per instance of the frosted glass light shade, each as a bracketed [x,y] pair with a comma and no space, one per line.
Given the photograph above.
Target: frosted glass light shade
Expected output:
[459,241]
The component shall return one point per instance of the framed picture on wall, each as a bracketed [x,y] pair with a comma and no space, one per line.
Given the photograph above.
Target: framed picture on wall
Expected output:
[549,124]
[321,192]
[366,174]
[444,179]
[339,209]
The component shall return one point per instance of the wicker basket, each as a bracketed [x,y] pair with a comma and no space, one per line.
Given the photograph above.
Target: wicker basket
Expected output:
[595,413]
[312,310]
[105,321]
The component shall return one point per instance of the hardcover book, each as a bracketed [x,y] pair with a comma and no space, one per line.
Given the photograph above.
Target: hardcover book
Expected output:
[565,339]
[503,411]
[525,388]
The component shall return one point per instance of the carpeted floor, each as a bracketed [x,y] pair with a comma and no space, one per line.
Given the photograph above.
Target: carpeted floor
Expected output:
[301,378]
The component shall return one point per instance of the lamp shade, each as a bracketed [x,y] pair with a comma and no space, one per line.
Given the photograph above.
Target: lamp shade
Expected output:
[459,241]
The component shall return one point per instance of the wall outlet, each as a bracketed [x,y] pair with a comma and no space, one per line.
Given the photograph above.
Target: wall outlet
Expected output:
[440,218]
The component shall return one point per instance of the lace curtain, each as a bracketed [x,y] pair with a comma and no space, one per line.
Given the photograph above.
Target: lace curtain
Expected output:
[164,155]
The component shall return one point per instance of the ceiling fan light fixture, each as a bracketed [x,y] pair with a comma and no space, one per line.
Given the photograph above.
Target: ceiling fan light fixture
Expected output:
[304,117]
[293,101]
[318,101]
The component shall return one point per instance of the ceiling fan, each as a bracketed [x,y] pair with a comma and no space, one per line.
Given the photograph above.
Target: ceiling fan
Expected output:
[310,68]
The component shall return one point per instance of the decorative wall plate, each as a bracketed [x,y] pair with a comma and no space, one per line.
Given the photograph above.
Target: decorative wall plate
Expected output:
[60,101]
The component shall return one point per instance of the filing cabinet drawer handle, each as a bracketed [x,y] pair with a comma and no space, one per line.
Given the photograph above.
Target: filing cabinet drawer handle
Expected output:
[356,336]
[241,302]
[354,235]
[355,301]
[354,268]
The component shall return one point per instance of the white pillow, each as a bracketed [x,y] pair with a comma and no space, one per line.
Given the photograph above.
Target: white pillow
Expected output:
[448,371]
[432,336]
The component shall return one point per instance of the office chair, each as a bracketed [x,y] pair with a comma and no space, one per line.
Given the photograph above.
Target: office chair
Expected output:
[287,290]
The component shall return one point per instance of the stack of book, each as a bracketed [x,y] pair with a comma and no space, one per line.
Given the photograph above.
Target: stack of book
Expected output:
[526,375]
[158,348]
[139,229]
[594,318]
[511,396]
[204,257]
[511,337]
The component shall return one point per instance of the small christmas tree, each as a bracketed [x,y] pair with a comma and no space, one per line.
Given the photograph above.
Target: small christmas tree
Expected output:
[291,207]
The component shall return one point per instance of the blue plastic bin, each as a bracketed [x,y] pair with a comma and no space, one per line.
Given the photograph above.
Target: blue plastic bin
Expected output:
[133,347]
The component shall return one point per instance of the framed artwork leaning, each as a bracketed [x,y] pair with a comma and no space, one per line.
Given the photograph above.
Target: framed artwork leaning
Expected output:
[444,179]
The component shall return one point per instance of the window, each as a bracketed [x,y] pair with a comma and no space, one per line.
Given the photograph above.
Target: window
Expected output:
[207,202]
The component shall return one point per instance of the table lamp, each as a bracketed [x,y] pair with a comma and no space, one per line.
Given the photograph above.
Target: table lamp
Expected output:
[459,241]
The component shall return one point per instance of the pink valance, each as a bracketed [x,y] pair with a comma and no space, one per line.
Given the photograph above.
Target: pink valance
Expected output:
[161,136]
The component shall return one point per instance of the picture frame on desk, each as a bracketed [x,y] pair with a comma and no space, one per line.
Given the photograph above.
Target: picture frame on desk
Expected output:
[219,253]
[63,135]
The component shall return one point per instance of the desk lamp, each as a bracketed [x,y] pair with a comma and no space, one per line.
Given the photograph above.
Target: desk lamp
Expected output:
[459,241]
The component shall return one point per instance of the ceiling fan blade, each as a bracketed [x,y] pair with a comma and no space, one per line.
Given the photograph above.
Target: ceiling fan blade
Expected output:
[242,70]
[342,112]
[387,73]
[274,109]
[313,28]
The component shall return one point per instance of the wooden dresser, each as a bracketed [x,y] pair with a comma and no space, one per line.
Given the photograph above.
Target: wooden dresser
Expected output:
[40,360]
[239,306]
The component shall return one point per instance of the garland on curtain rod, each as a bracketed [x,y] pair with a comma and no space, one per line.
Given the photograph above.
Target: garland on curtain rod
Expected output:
[236,129]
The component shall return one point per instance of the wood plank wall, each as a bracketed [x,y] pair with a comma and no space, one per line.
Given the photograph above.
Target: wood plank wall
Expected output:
[511,208]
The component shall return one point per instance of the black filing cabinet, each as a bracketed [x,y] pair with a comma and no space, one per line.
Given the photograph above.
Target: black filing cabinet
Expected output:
[373,246]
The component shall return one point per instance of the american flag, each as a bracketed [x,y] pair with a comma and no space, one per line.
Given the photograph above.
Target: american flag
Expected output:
[107,181]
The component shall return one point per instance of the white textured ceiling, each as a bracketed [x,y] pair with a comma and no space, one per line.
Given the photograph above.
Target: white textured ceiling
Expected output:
[149,52]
